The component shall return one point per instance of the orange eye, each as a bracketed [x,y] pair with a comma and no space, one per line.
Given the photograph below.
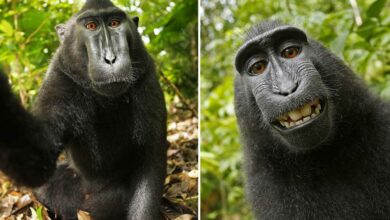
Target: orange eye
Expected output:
[258,68]
[115,23]
[290,52]
[91,25]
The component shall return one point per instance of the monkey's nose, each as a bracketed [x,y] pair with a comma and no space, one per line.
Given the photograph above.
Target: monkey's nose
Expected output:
[110,59]
[109,56]
[286,89]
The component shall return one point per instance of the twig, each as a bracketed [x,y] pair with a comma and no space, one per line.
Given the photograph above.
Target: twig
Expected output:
[35,32]
[179,94]
[356,12]
[288,6]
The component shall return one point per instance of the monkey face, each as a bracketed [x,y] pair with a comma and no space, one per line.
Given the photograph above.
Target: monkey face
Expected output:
[102,44]
[278,73]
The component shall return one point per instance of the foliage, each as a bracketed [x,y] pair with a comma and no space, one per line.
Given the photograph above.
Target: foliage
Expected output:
[365,47]
[171,27]
[28,40]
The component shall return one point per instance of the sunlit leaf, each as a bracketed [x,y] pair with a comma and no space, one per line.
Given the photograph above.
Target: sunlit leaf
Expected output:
[6,27]
[375,8]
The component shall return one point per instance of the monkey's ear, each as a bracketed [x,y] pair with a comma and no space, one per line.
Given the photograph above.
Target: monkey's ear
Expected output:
[136,20]
[60,29]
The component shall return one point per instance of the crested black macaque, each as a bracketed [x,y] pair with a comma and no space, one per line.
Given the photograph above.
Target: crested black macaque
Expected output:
[316,141]
[100,102]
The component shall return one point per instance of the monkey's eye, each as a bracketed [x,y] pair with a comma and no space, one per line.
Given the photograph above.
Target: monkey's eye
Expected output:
[258,68]
[114,23]
[291,52]
[91,25]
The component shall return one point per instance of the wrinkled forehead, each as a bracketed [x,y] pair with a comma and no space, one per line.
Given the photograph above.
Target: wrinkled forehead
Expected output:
[270,37]
[96,4]
[100,12]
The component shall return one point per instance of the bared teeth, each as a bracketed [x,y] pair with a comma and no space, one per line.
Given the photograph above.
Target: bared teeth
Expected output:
[295,115]
[318,108]
[301,115]
[283,117]
[306,110]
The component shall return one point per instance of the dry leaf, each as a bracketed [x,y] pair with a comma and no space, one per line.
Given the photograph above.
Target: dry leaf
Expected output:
[22,202]
[193,174]
[34,215]
[20,216]
[83,215]
[172,152]
[185,217]
[7,204]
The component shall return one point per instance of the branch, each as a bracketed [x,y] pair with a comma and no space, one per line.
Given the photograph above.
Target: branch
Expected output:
[35,32]
[356,12]
[179,94]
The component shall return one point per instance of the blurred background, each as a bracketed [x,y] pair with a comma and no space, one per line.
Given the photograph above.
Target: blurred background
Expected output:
[358,31]
[169,30]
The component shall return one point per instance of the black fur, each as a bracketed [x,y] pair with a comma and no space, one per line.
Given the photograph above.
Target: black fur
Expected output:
[346,174]
[115,140]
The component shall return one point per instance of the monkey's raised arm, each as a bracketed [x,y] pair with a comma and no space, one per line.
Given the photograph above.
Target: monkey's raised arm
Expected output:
[29,145]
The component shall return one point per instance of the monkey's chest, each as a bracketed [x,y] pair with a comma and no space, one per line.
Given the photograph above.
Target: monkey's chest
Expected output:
[330,200]
[107,144]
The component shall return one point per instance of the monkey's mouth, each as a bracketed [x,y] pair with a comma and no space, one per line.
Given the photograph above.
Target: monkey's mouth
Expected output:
[301,116]
[111,89]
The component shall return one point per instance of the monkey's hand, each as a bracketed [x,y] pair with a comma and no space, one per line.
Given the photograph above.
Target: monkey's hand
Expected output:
[24,154]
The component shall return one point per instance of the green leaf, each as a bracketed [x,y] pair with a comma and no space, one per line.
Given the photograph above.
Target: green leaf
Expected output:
[367,29]
[7,28]
[31,20]
[375,8]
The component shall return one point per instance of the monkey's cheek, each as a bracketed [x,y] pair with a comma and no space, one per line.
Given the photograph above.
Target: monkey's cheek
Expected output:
[309,136]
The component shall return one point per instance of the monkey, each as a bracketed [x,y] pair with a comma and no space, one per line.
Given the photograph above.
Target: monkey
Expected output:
[101,104]
[316,141]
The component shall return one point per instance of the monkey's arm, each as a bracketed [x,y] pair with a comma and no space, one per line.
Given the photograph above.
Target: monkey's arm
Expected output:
[28,146]
[146,198]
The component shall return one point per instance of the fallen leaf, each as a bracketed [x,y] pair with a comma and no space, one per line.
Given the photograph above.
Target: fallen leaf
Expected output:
[34,215]
[4,188]
[6,205]
[185,217]
[83,215]
[172,152]
[20,216]
[193,174]
[22,203]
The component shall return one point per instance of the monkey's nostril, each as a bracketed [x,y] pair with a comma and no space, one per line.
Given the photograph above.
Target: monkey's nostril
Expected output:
[287,90]
[110,60]
[294,88]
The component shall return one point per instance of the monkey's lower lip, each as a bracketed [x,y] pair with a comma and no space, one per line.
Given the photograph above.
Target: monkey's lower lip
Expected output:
[301,116]
[112,89]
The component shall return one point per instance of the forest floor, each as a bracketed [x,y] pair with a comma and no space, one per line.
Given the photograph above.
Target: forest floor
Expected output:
[180,200]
